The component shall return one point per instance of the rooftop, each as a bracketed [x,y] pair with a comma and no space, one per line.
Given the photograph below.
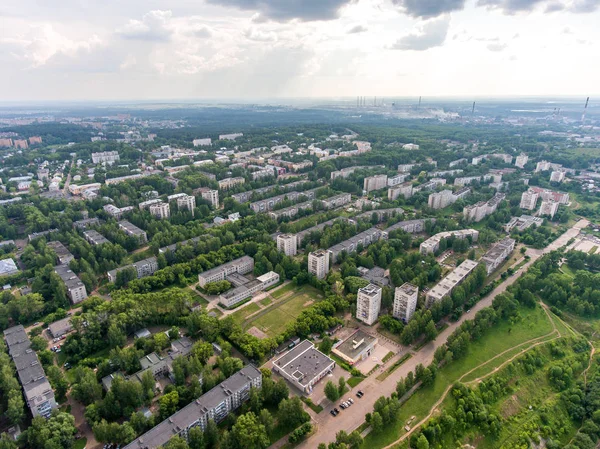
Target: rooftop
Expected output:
[352,346]
[303,362]
[8,266]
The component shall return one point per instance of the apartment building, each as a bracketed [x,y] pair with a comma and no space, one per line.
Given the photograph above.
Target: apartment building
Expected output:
[133,231]
[336,201]
[397,180]
[262,173]
[202,142]
[37,391]
[63,255]
[232,136]
[243,265]
[432,244]
[188,202]
[447,285]
[546,195]
[110,157]
[549,208]
[86,223]
[498,254]
[440,200]
[376,182]
[410,226]
[268,204]
[477,212]
[368,304]
[405,301]
[432,184]
[521,160]
[529,200]
[145,205]
[303,234]
[79,189]
[291,211]
[160,210]
[405,190]
[458,162]
[94,237]
[120,179]
[228,183]
[557,176]
[287,244]
[115,211]
[318,263]
[208,194]
[363,239]
[406,168]
[143,268]
[216,404]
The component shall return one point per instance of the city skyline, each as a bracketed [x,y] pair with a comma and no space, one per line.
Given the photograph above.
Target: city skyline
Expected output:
[248,49]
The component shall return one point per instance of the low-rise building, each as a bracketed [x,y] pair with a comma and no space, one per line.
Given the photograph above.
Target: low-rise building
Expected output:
[216,404]
[86,223]
[521,160]
[38,393]
[303,366]
[523,222]
[133,231]
[449,283]
[110,157]
[242,265]
[8,267]
[410,226]
[63,255]
[228,183]
[432,244]
[60,327]
[363,239]
[405,301]
[557,176]
[94,237]
[202,142]
[357,347]
[115,211]
[498,254]
[248,288]
[143,268]
[75,289]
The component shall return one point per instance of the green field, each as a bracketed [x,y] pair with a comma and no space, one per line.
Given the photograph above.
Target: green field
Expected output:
[291,301]
[240,316]
[533,323]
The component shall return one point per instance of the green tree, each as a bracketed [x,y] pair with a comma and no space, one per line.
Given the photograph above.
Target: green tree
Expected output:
[196,438]
[341,386]
[168,404]
[15,411]
[331,391]
[58,382]
[177,442]
[211,435]
[422,443]
[38,343]
[86,388]
[291,412]
[249,433]
[376,422]
[266,419]
[430,331]
[326,345]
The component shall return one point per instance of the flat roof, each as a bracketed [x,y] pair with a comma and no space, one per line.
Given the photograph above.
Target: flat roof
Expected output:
[60,326]
[70,279]
[303,362]
[8,266]
[356,343]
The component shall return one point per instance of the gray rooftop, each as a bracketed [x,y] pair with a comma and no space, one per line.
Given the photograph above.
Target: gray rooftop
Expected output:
[303,362]
[131,228]
[184,418]
[95,237]
[8,266]
[352,346]
[69,278]
[60,327]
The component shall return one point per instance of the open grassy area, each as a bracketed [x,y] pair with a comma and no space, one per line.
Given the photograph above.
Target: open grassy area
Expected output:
[283,290]
[241,315]
[533,323]
[275,318]
[80,443]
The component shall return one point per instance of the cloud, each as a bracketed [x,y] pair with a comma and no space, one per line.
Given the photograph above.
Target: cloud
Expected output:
[429,8]
[431,34]
[585,6]
[357,29]
[284,10]
[496,46]
[554,7]
[154,27]
[254,34]
[518,6]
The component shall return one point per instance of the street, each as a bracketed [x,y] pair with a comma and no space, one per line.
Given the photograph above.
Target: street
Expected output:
[353,417]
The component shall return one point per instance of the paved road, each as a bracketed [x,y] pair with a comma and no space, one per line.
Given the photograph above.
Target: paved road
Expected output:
[353,417]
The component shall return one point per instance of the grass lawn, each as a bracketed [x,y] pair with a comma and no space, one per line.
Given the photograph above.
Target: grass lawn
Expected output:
[80,443]
[197,298]
[394,367]
[265,302]
[354,381]
[275,319]
[533,323]
[283,290]
[310,404]
[241,315]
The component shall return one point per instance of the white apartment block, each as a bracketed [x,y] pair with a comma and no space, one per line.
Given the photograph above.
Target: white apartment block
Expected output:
[396,180]
[529,200]
[549,207]
[432,244]
[228,183]
[449,283]
[368,304]
[557,176]
[405,168]
[405,301]
[160,210]
[75,289]
[187,202]
[318,263]
[230,136]
[210,195]
[498,254]
[202,142]
[143,268]
[242,265]
[439,200]
[405,190]
[521,160]
[287,244]
[479,211]
[110,157]
[545,166]
[376,182]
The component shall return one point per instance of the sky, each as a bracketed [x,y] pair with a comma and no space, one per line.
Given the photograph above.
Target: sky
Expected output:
[77,50]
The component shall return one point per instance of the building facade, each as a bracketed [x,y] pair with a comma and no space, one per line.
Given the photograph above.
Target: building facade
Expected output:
[287,244]
[405,301]
[368,304]
[318,263]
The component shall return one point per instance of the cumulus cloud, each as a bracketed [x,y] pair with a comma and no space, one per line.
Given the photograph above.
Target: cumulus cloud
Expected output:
[39,44]
[431,34]
[585,6]
[357,29]
[554,7]
[255,34]
[429,8]
[496,46]
[154,26]
[549,6]
[284,10]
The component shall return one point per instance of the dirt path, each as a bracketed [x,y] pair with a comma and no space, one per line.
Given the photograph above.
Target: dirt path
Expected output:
[533,343]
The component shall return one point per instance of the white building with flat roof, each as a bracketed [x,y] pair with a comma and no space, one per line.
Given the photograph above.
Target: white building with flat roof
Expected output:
[405,301]
[202,142]
[187,202]
[521,160]
[160,210]
[549,208]
[368,304]
[557,176]
[449,283]
[318,263]
[498,254]
[529,200]
[440,200]
[376,182]
[287,244]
